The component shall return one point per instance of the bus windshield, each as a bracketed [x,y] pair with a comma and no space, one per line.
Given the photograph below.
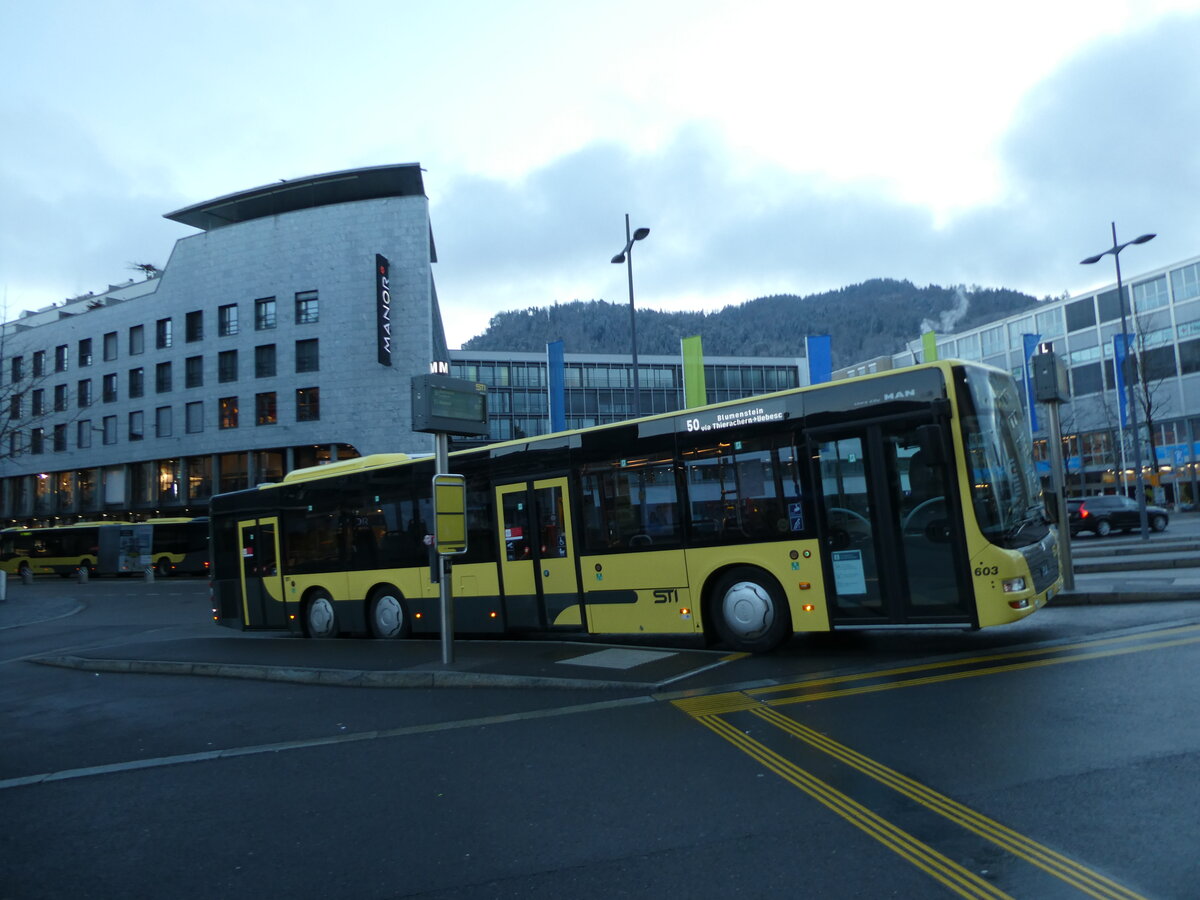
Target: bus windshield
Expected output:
[1005,491]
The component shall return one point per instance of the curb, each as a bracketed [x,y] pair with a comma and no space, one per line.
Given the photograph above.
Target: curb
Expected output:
[412,678]
[1088,598]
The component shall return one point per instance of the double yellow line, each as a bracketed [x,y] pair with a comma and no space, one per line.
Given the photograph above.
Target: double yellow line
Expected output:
[710,710]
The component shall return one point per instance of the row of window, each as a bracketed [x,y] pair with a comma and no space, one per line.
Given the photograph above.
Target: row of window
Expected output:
[308,359]
[266,412]
[307,312]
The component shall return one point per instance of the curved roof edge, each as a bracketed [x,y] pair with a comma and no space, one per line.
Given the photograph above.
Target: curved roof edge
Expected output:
[371,183]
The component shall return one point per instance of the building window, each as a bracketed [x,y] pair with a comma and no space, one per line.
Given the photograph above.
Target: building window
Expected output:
[60,398]
[162,334]
[137,340]
[307,311]
[264,409]
[264,361]
[38,403]
[227,320]
[194,417]
[60,438]
[18,368]
[83,434]
[308,404]
[110,429]
[264,313]
[37,440]
[85,352]
[39,363]
[162,422]
[60,358]
[227,366]
[162,378]
[227,412]
[308,356]
[194,326]
[137,425]
[1150,294]
[137,382]
[108,388]
[193,372]
[14,406]
[15,447]
[83,393]
[110,346]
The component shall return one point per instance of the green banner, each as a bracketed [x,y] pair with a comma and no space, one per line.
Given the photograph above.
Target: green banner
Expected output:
[694,391]
[929,347]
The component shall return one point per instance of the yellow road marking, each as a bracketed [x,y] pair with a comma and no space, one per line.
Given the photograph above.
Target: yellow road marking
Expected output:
[1062,867]
[953,875]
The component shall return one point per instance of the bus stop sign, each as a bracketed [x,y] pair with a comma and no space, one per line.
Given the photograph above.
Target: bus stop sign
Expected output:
[450,514]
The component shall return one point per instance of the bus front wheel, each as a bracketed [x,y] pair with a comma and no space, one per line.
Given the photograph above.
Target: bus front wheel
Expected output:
[750,610]
[320,618]
[163,569]
[388,614]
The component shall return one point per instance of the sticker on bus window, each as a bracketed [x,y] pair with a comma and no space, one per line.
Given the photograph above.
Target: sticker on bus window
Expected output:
[796,516]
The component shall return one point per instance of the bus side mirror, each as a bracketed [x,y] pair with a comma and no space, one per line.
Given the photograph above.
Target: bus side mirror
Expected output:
[929,442]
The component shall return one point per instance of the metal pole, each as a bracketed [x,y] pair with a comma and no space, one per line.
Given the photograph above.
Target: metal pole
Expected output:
[1129,388]
[445,595]
[637,391]
[1054,440]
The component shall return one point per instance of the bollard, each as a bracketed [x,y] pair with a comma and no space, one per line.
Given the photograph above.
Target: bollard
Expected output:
[81,574]
[149,570]
[27,576]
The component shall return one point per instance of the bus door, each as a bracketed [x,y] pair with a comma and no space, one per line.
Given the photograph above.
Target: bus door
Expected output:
[893,541]
[262,584]
[537,555]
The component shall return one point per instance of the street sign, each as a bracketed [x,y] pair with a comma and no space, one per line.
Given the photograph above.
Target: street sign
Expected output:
[450,514]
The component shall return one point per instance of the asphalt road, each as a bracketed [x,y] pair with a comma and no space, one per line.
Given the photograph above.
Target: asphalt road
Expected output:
[1056,758]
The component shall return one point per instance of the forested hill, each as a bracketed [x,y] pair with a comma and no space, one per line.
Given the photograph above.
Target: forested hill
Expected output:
[865,320]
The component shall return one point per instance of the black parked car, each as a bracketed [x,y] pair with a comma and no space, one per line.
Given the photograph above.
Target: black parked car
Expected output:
[1110,512]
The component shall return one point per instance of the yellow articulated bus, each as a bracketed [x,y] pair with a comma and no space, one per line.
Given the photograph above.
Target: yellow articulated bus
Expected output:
[172,546]
[903,499]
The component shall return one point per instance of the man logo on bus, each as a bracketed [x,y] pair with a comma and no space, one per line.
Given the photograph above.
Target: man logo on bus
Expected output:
[900,395]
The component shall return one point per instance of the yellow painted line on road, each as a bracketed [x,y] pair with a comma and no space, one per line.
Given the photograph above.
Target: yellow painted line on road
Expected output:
[975,673]
[953,875]
[1149,641]
[1074,873]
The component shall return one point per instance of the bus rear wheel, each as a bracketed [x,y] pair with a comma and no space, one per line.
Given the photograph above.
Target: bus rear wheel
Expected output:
[163,569]
[749,610]
[320,618]
[387,614]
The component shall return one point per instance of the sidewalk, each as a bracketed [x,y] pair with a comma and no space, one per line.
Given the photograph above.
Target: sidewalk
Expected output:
[1127,569]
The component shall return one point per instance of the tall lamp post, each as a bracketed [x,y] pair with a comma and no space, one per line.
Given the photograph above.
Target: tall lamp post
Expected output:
[1131,401]
[626,256]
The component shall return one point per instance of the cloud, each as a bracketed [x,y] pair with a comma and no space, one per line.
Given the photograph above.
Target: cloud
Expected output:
[1107,136]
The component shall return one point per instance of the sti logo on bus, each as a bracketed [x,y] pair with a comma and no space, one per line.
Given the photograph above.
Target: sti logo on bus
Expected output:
[383,309]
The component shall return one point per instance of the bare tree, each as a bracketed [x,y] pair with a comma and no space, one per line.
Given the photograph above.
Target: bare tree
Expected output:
[150,270]
[1150,375]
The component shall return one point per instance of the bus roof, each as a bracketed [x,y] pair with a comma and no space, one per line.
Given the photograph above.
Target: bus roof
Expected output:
[358,464]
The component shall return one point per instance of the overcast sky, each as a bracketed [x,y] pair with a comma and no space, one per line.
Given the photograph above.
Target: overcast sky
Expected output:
[770,147]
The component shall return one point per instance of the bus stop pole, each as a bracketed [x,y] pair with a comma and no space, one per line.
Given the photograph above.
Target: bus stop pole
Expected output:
[442,467]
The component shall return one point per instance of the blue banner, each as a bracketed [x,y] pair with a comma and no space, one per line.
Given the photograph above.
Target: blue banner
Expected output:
[557,384]
[1120,351]
[819,349]
[1031,345]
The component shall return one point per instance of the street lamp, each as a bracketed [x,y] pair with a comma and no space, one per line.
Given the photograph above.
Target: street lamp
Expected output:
[1115,250]
[626,256]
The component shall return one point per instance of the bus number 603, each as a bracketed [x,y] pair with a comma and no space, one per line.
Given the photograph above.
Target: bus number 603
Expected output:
[986,570]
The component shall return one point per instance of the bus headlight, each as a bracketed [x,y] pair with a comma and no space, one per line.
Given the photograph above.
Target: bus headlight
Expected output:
[1013,585]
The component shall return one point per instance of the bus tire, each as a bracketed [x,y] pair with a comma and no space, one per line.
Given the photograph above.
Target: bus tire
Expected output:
[163,568]
[320,616]
[749,610]
[387,614]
